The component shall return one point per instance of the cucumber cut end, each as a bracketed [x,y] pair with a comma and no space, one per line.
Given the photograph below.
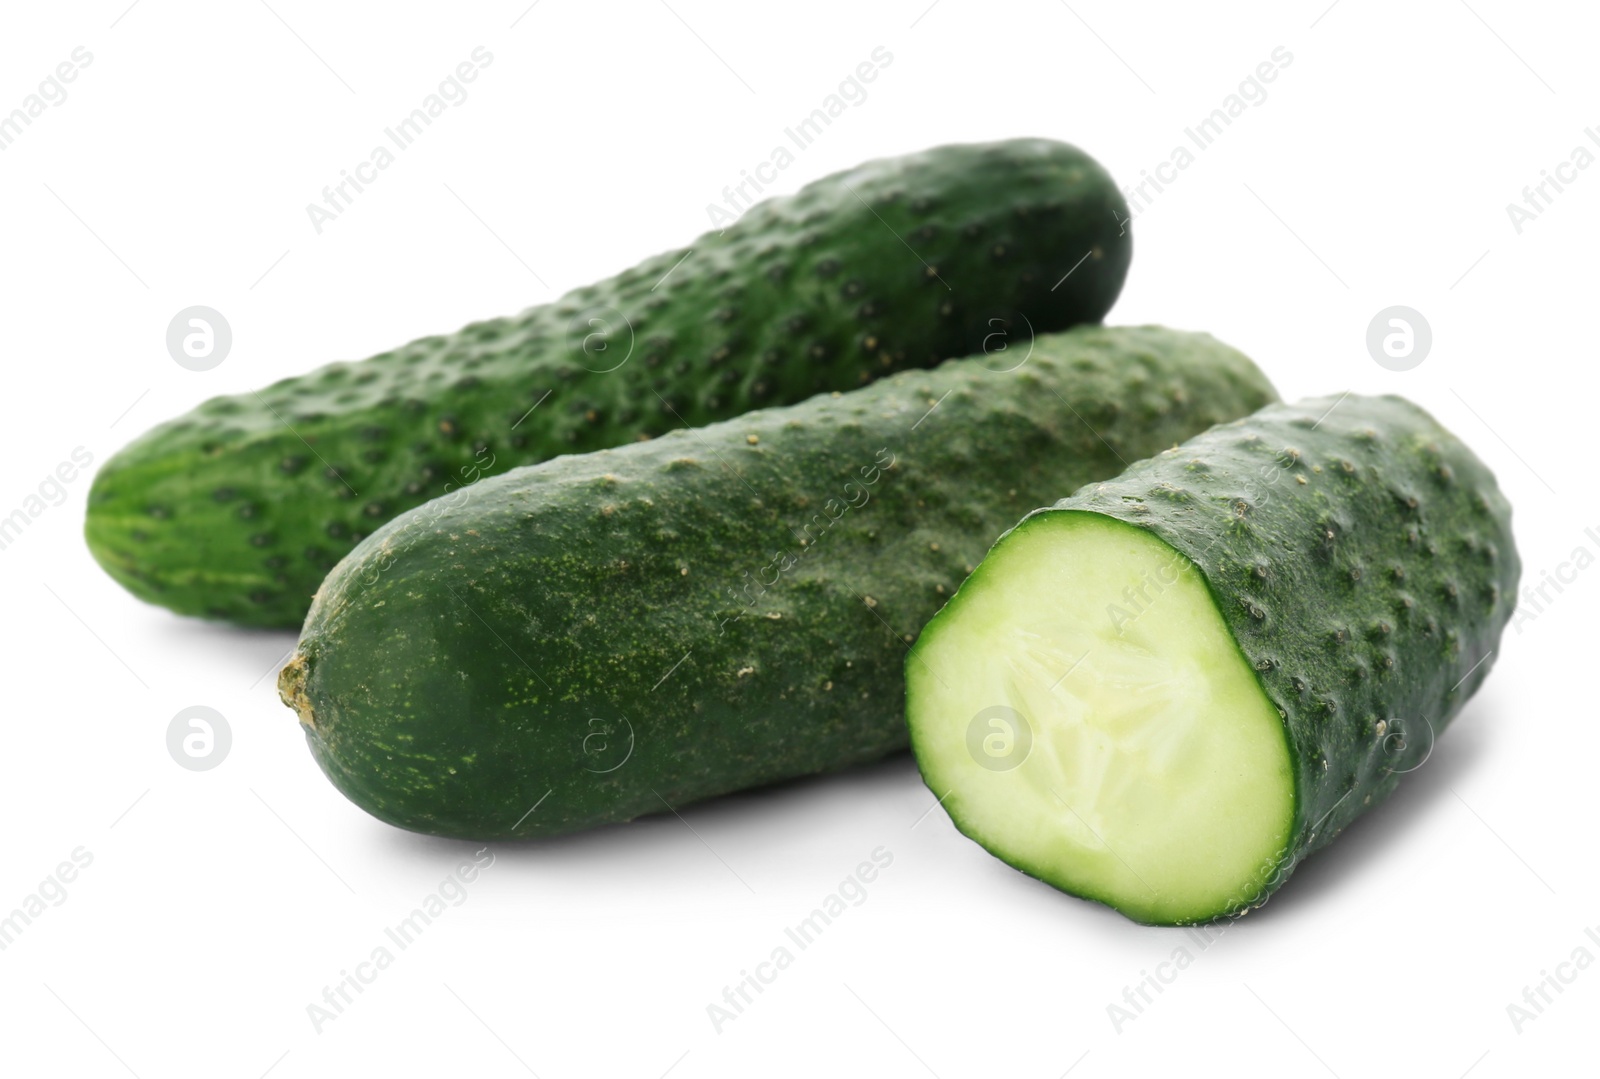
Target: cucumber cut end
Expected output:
[1087,717]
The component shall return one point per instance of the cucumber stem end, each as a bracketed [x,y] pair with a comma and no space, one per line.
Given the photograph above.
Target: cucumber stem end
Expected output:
[292,689]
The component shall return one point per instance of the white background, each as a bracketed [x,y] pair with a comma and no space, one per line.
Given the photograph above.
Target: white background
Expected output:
[219,904]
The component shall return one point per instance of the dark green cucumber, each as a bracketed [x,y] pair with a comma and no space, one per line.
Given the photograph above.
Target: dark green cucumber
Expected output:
[1164,692]
[237,510]
[608,634]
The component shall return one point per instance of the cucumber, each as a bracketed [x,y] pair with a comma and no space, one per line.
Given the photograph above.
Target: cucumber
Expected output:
[611,634]
[237,510]
[1165,691]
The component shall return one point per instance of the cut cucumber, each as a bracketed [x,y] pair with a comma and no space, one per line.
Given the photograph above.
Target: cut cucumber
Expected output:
[1164,692]
[1145,764]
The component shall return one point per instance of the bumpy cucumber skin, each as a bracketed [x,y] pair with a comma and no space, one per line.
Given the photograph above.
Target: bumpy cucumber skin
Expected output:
[653,604]
[237,510]
[1369,598]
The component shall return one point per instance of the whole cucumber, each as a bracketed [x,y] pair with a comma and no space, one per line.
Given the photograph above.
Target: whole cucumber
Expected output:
[1167,690]
[237,510]
[609,634]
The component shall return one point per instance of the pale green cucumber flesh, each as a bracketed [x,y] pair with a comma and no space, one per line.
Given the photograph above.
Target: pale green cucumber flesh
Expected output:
[1087,716]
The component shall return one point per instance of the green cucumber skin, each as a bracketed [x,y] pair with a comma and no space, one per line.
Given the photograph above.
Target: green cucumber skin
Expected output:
[228,513]
[1375,591]
[454,664]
